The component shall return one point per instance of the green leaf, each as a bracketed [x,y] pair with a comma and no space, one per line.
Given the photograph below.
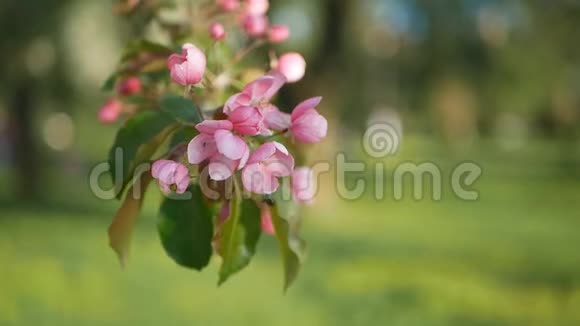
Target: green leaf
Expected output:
[109,84]
[186,229]
[286,222]
[181,109]
[238,237]
[139,100]
[138,47]
[121,229]
[183,136]
[136,142]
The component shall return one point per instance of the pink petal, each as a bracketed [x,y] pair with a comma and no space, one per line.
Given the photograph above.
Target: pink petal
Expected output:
[181,178]
[257,180]
[228,5]
[275,119]
[201,148]
[255,25]
[230,145]
[167,173]
[170,173]
[305,106]
[281,148]
[278,81]
[179,74]
[217,31]
[281,164]
[262,153]
[158,166]
[211,126]
[252,176]
[130,86]
[270,186]
[244,159]
[188,68]
[175,59]
[256,7]
[194,54]
[310,128]
[303,185]
[193,72]
[236,101]
[278,33]
[265,88]
[266,219]
[258,88]
[243,114]
[221,168]
[165,188]
[292,65]
[247,120]
[111,111]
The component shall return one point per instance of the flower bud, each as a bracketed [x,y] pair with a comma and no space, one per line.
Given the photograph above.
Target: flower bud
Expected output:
[256,7]
[228,5]
[188,67]
[278,33]
[217,32]
[292,65]
[111,111]
[308,126]
[171,174]
[129,86]
[255,25]
[266,220]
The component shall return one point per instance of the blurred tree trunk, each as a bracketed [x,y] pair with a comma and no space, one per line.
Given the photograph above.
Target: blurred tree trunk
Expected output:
[334,28]
[23,22]
[26,160]
[329,58]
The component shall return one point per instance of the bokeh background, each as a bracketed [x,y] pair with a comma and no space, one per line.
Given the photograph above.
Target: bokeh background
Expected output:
[488,81]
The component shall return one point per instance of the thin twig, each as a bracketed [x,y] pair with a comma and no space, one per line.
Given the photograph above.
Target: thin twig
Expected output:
[244,52]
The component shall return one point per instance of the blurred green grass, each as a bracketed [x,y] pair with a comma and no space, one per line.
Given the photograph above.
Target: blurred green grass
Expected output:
[510,258]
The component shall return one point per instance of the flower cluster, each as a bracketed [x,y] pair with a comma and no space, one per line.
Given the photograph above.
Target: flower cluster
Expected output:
[224,146]
[206,126]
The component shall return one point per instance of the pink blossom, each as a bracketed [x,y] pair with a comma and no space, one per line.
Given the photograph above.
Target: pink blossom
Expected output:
[307,125]
[169,173]
[225,151]
[129,86]
[275,119]
[278,33]
[292,65]
[303,185]
[228,5]
[266,164]
[188,67]
[211,126]
[256,7]
[266,219]
[257,93]
[247,120]
[217,32]
[111,111]
[255,25]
